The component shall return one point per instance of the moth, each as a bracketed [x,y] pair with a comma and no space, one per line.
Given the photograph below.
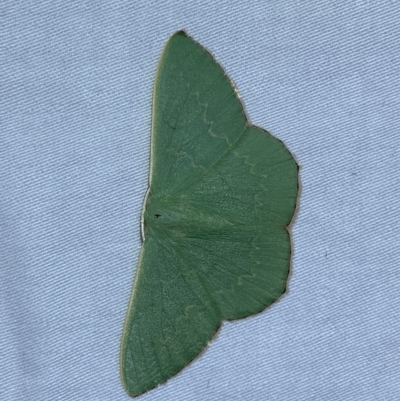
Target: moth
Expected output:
[216,244]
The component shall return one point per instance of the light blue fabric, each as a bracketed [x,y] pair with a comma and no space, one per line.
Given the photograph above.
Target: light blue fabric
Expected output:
[76,81]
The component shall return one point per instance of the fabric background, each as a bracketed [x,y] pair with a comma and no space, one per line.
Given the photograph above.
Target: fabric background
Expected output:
[76,82]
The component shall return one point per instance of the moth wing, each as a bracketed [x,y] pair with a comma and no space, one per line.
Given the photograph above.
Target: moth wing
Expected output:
[196,116]
[238,235]
[170,319]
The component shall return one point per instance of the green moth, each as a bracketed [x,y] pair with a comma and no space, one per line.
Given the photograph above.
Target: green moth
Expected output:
[214,223]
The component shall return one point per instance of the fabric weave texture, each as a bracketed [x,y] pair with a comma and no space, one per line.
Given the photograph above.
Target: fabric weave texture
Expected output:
[76,82]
